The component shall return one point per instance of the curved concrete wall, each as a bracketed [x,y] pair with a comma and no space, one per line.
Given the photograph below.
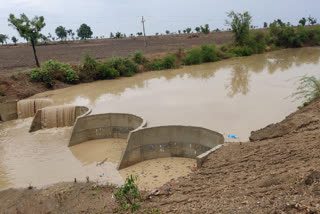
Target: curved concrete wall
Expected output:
[168,141]
[8,111]
[100,126]
[36,122]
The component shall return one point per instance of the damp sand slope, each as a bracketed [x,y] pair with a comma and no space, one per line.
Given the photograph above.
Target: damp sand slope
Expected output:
[276,175]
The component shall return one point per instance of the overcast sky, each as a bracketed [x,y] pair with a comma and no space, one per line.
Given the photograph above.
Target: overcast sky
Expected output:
[105,16]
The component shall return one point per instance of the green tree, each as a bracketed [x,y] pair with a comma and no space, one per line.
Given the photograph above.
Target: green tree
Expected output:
[205,29]
[84,32]
[71,33]
[61,32]
[265,25]
[188,30]
[167,32]
[312,20]
[28,29]
[3,38]
[111,35]
[240,26]
[197,29]
[303,21]
[14,40]
[139,34]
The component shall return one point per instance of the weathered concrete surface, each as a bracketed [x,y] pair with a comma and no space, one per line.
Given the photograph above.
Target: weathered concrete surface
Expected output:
[168,141]
[8,111]
[201,158]
[36,122]
[100,126]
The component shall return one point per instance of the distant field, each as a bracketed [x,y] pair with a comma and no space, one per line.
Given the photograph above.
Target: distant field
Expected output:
[21,57]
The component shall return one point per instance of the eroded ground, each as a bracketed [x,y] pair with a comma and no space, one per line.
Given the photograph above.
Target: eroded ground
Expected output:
[278,175]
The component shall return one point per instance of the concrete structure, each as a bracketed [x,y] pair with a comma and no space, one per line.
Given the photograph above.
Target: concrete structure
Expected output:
[101,126]
[8,111]
[36,122]
[169,141]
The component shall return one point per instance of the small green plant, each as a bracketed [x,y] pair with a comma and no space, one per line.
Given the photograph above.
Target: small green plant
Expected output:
[128,196]
[169,61]
[209,53]
[308,89]
[138,57]
[242,51]
[155,65]
[194,57]
[105,71]
[71,76]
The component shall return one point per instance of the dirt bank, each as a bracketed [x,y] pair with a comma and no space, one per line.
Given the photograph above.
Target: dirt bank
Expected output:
[277,175]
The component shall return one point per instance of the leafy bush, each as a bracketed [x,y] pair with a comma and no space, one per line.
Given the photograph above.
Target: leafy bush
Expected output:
[194,57]
[105,71]
[209,53]
[169,61]
[53,70]
[71,76]
[125,67]
[89,66]
[44,76]
[242,51]
[156,65]
[128,196]
[282,34]
[138,57]
[257,42]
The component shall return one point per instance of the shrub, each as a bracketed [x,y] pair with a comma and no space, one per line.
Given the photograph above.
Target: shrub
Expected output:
[71,76]
[257,42]
[53,70]
[41,75]
[194,57]
[105,71]
[89,66]
[242,51]
[128,195]
[156,65]
[209,53]
[138,57]
[125,67]
[169,61]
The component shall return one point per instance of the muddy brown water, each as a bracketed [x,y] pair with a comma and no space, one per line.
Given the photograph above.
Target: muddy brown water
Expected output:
[233,96]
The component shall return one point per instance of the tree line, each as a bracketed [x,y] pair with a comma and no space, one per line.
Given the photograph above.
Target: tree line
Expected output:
[30,29]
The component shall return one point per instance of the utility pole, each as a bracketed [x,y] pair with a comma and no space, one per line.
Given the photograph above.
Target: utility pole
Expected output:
[144,32]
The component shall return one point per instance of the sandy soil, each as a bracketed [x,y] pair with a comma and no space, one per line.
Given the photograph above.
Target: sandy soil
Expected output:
[276,175]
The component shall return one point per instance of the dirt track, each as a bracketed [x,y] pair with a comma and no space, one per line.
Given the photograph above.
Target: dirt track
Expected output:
[21,56]
[278,175]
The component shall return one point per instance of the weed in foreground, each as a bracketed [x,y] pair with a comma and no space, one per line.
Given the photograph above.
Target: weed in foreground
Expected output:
[128,196]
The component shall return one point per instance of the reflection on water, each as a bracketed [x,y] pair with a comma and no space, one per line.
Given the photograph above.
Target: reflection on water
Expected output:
[233,96]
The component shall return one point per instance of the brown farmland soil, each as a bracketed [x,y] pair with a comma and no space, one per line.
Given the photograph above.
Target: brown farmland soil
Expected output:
[280,174]
[21,56]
